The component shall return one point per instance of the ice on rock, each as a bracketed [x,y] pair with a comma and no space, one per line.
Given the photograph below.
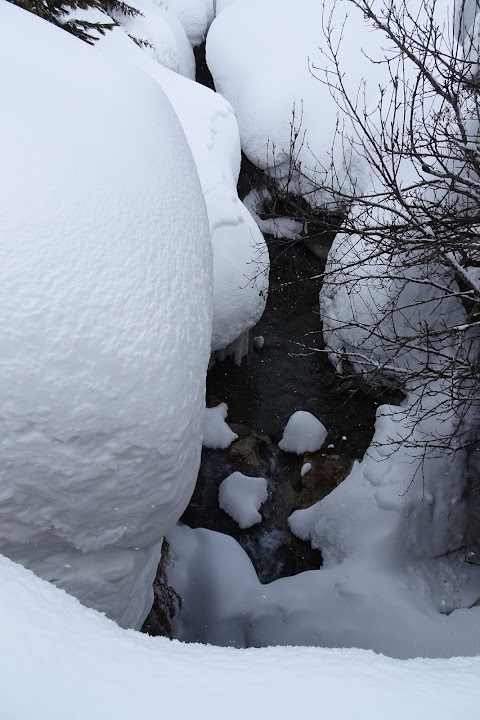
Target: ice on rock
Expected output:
[306,467]
[106,317]
[303,433]
[216,433]
[241,497]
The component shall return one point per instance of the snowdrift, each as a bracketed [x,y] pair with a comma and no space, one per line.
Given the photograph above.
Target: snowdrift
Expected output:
[106,321]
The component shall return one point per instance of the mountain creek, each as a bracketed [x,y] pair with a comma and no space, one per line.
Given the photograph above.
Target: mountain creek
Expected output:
[286,369]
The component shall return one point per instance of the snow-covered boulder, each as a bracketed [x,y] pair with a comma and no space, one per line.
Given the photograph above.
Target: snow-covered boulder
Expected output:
[216,433]
[154,34]
[262,55]
[106,317]
[241,497]
[194,15]
[377,311]
[240,255]
[303,433]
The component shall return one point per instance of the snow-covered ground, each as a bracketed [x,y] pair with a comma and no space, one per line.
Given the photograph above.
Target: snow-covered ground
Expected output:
[59,660]
[106,317]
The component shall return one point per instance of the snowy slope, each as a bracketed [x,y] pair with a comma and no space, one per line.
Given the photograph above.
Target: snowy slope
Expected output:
[106,317]
[79,665]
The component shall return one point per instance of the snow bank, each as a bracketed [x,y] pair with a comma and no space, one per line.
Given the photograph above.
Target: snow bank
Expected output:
[241,262]
[105,286]
[261,54]
[155,32]
[241,497]
[375,604]
[60,647]
[303,433]
[240,254]
[195,17]
[216,433]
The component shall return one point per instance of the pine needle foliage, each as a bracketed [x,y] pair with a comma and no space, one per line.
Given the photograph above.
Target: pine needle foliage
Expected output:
[56,12]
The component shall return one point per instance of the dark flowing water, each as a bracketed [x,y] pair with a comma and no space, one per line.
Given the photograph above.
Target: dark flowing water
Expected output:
[273,382]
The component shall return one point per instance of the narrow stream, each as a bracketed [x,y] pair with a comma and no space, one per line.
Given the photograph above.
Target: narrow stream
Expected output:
[273,382]
[290,372]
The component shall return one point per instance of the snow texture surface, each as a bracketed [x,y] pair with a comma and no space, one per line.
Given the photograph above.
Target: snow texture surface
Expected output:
[241,262]
[241,497]
[106,317]
[60,646]
[303,433]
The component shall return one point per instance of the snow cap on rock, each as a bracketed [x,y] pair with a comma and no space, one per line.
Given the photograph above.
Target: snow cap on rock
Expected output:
[241,497]
[303,433]
[216,433]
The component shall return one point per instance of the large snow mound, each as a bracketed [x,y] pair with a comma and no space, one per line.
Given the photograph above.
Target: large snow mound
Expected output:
[161,35]
[241,497]
[61,646]
[303,433]
[241,262]
[195,17]
[263,56]
[105,287]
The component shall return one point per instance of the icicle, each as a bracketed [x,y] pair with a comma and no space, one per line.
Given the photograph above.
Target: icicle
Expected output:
[238,348]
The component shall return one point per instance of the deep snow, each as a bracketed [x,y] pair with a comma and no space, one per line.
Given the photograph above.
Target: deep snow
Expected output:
[106,317]
[61,660]
[240,255]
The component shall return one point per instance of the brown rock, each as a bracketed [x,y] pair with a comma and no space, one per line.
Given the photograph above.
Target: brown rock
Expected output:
[326,474]
[246,450]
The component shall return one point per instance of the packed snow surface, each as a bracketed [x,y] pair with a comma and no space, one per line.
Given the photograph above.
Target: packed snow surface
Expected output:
[241,497]
[303,433]
[216,433]
[80,665]
[106,317]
